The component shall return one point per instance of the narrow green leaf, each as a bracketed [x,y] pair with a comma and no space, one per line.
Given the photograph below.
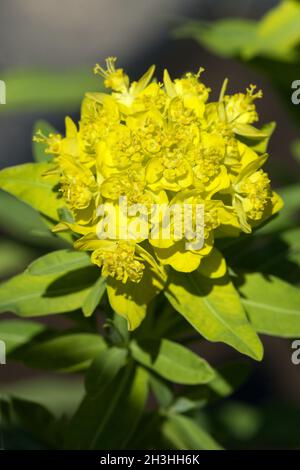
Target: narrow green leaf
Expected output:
[277,32]
[57,262]
[108,420]
[94,297]
[272,304]
[24,223]
[288,216]
[34,418]
[185,434]
[104,369]
[161,391]
[274,36]
[15,332]
[28,295]
[274,253]
[57,392]
[63,353]
[213,308]
[172,361]
[28,183]
[226,37]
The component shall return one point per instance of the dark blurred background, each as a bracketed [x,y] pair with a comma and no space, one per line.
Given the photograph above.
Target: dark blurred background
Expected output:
[62,36]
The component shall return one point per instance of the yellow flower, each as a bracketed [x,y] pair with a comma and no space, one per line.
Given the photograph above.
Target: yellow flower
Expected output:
[118,259]
[240,108]
[160,144]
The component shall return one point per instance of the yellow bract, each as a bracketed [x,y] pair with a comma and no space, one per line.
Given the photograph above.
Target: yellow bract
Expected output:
[162,143]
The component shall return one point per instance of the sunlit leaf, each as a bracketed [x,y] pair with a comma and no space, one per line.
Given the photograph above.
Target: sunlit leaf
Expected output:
[94,297]
[23,223]
[28,183]
[184,434]
[214,309]
[172,361]
[104,369]
[16,332]
[29,296]
[61,261]
[272,304]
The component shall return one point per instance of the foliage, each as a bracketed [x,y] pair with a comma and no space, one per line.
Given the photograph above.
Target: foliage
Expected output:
[270,45]
[149,387]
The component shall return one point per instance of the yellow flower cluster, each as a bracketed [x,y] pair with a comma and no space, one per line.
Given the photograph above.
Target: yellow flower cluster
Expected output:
[162,143]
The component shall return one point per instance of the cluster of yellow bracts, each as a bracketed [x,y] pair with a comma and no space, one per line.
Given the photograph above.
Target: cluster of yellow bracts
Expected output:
[160,143]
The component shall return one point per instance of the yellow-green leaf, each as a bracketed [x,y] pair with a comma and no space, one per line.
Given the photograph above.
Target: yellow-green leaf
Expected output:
[60,261]
[28,183]
[213,308]
[272,305]
[108,420]
[94,296]
[172,361]
[29,296]
[16,332]
[185,434]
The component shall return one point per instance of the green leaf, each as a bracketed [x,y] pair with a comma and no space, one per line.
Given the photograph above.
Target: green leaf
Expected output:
[94,297]
[34,418]
[28,183]
[277,33]
[272,304]
[183,405]
[104,369]
[24,223]
[38,148]
[58,393]
[226,37]
[184,434]
[172,361]
[28,295]
[270,45]
[288,216]
[48,90]
[274,36]
[15,332]
[214,309]
[108,420]
[274,253]
[64,353]
[161,390]
[57,262]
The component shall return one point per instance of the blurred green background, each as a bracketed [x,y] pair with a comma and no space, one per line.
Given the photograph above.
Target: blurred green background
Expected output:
[48,50]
